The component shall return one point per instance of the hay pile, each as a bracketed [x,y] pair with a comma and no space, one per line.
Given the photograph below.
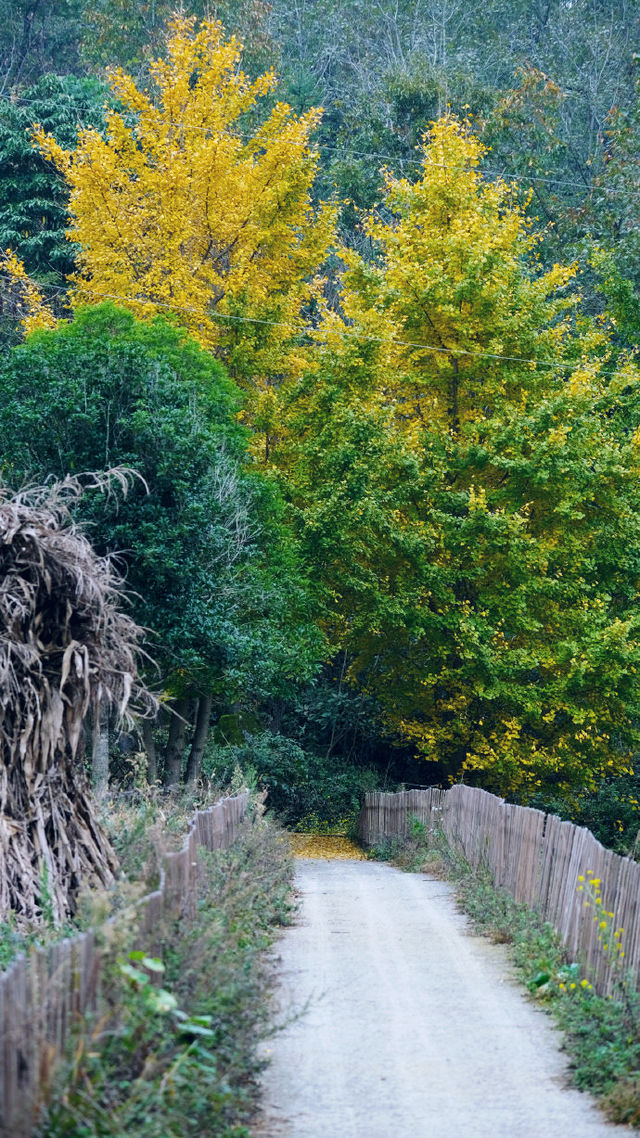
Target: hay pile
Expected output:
[66,647]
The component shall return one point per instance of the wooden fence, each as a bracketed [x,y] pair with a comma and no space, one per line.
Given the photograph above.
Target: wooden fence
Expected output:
[43,994]
[536,857]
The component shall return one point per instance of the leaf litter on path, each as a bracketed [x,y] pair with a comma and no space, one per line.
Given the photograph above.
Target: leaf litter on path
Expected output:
[328,846]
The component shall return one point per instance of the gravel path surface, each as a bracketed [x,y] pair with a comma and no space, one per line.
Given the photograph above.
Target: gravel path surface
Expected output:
[413,1027]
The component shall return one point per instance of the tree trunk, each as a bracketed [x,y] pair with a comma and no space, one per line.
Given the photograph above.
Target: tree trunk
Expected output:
[100,753]
[276,714]
[334,725]
[200,736]
[176,742]
[454,394]
[149,742]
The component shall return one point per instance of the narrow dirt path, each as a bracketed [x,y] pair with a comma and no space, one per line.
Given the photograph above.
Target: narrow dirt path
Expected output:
[407,1025]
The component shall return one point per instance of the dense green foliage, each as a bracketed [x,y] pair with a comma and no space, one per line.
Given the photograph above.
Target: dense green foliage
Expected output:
[307,791]
[200,535]
[179,1057]
[33,201]
[497,624]
[457,526]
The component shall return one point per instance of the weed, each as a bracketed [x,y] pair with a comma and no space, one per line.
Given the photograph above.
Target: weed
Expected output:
[415,851]
[601,1033]
[622,1103]
[171,1049]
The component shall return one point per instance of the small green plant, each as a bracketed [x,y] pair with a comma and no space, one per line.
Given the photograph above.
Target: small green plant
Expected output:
[46,899]
[171,1049]
[622,1103]
[601,1032]
[12,942]
[154,1000]
[387,849]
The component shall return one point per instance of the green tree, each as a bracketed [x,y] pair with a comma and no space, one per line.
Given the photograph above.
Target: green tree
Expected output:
[484,585]
[206,555]
[473,517]
[33,201]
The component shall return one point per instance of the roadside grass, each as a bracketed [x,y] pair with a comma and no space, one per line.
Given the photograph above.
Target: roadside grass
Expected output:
[142,825]
[171,1049]
[601,1034]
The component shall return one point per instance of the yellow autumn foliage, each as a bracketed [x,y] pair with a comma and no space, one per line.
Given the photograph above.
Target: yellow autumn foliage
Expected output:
[177,210]
[37,313]
[453,297]
[327,846]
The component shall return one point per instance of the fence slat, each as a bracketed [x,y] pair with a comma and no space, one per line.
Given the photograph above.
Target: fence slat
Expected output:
[536,857]
[43,997]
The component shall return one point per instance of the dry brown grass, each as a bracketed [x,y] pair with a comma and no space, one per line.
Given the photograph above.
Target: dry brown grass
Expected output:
[66,649]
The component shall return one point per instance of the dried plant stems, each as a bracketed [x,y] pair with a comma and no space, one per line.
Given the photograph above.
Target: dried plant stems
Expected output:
[66,648]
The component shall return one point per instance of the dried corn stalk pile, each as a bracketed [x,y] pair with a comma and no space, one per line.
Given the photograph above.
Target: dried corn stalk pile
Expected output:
[65,648]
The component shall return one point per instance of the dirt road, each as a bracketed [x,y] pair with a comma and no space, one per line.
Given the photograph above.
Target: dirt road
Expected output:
[413,1027]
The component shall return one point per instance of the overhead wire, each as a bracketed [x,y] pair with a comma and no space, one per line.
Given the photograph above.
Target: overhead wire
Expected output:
[505,175]
[311,329]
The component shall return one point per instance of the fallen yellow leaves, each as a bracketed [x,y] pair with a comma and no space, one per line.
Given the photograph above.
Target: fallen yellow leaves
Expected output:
[325,846]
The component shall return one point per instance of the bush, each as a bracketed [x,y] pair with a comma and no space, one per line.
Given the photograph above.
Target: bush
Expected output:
[305,791]
[179,1058]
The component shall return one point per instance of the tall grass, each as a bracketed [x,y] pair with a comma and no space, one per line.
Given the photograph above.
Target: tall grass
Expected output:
[601,1034]
[171,1049]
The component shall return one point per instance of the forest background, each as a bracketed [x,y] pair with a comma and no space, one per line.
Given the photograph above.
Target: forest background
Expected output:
[389,525]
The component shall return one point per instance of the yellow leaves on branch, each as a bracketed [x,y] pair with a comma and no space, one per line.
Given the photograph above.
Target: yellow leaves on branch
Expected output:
[30,299]
[455,272]
[175,210]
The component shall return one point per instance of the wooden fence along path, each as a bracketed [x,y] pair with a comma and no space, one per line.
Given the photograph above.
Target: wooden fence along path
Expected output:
[536,857]
[43,994]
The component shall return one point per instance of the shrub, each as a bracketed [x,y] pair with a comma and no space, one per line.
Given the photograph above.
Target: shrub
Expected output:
[305,791]
[179,1057]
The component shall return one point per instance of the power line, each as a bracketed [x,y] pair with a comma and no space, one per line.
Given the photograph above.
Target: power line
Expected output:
[378,156]
[310,329]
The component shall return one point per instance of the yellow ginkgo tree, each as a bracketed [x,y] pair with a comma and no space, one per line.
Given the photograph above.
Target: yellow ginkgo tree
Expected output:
[451,302]
[188,204]
[465,496]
